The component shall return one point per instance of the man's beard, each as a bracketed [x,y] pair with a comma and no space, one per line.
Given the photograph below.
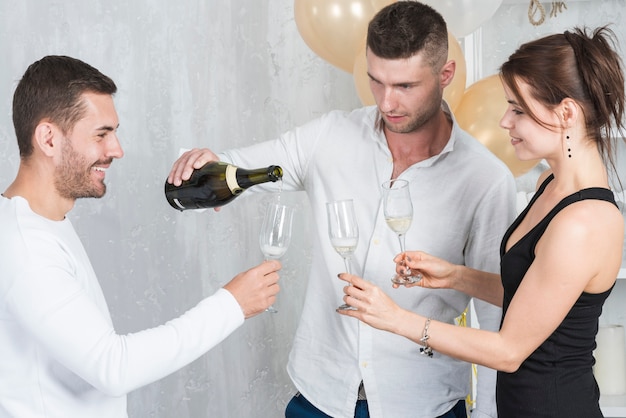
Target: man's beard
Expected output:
[73,178]
[419,120]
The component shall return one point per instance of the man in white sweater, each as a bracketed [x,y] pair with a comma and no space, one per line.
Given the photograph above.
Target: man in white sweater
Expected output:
[59,353]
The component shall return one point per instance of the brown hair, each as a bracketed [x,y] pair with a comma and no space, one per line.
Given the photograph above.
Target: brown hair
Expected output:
[405,28]
[51,88]
[578,65]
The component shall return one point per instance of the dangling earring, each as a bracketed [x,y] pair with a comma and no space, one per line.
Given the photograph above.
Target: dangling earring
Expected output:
[569,146]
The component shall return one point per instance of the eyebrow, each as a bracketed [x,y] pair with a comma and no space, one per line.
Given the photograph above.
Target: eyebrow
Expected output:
[402,83]
[108,128]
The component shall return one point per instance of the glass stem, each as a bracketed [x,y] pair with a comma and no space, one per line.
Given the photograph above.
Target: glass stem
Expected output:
[345,306]
[271,307]
[407,270]
[346,261]
[401,240]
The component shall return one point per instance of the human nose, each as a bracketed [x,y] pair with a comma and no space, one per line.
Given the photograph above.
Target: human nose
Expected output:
[114,147]
[387,102]
[505,121]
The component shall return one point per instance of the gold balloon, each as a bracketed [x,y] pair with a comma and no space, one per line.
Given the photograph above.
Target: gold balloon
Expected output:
[453,93]
[379,4]
[464,16]
[482,106]
[334,29]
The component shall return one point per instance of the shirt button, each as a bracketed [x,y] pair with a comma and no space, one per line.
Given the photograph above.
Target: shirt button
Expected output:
[376,241]
[364,364]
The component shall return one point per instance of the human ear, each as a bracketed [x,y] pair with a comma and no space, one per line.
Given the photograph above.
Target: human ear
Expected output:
[568,112]
[446,74]
[45,138]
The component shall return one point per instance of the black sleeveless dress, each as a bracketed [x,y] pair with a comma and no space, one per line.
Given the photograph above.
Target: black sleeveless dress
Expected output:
[556,381]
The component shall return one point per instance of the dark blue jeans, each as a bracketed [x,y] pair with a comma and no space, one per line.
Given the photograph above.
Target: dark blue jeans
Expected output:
[300,407]
[458,411]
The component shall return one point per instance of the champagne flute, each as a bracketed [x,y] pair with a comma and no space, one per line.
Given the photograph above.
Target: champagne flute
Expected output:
[343,232]
[275,233]
[398,211]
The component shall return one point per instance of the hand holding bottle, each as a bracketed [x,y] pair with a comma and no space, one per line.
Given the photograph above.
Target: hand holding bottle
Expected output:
[255,289]
[188,162]
[213,184]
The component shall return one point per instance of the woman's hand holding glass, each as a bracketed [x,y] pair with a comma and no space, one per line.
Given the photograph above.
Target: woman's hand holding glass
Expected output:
[435,273]
[398,211]
[372,305]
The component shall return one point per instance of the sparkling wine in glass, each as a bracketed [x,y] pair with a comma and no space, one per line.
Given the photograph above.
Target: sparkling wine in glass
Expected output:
[275,233]
[398,210]
[343,232]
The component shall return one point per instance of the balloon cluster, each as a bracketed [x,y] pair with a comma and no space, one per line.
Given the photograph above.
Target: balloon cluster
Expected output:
[336,31]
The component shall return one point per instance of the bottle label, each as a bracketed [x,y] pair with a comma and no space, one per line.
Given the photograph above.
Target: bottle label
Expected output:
[177,202]
[231,180]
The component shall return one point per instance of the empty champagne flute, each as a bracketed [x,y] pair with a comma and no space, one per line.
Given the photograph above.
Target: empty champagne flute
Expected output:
[275,233]
[398,210]
[343,232]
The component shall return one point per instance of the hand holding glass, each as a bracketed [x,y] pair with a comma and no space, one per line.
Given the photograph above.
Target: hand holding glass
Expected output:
[398,210]
[343,232]
[275,233]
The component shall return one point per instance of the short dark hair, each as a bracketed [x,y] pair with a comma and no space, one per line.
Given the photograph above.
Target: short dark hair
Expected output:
[52,88]
[405,28]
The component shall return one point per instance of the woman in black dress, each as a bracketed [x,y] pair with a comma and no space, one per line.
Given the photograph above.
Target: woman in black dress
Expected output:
[561,256]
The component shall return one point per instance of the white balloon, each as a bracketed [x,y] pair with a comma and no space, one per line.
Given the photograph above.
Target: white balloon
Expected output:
[464,16]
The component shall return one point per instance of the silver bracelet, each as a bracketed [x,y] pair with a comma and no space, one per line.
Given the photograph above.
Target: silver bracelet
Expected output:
[426,350]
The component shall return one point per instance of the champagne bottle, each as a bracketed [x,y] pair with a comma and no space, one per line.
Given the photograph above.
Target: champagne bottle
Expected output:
[216,184]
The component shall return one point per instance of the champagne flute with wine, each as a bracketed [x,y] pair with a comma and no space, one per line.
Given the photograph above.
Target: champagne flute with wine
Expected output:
[343,232]
[398,210]
[275,234]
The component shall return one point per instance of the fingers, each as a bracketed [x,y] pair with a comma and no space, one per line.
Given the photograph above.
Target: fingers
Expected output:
[177,169]
[408,264]
[256,289]
[409,258]
[270,266]
[345,277]
[353,280]
[268,277]
[274,290]
[187,162]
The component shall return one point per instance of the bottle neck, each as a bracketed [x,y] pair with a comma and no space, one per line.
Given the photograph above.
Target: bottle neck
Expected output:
[247,178]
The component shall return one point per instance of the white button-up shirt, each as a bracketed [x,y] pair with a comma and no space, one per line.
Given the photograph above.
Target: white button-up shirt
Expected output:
[463,201]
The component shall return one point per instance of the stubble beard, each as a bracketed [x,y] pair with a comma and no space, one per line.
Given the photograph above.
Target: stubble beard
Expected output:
[73,178]
[416,122]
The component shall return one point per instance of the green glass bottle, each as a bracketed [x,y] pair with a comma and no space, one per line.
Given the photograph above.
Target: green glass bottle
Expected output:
[216,184]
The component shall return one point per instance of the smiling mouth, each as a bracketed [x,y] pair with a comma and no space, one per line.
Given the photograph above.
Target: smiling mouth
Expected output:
[100,172]
[103,167]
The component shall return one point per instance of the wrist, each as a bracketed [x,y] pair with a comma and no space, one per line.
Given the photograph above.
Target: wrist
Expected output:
[457,277]
[405,325]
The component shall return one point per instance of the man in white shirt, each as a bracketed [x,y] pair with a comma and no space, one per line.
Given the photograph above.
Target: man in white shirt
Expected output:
[463,199]
[59,353]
